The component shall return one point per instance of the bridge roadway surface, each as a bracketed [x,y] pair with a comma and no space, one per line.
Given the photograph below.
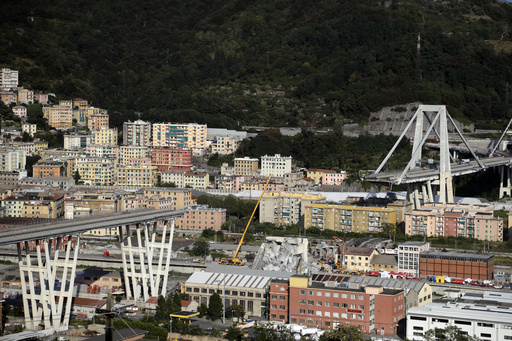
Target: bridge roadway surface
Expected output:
[74,226]
[422,174]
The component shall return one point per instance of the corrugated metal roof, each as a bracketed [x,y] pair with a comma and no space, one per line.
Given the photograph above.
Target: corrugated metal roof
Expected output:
[231,280]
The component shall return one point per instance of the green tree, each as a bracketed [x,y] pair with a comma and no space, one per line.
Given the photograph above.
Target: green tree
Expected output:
[238,311]
[234,334]
[201,248]
[231,205]
[220,235]
[202,310]
[343,333]
[450,333]
[76,176]
[215,306]
[27,137]
[208,233]
[264,333]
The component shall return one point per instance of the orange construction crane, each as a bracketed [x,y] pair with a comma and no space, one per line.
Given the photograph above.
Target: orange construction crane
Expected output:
[235,260]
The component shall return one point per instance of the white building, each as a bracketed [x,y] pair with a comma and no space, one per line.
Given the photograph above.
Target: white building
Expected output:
[76,141]
[20,111]
[29,128]
[176,177]
[8,79]
[12,159]
[137,133]
[409,257]
[489,320]
[276,165]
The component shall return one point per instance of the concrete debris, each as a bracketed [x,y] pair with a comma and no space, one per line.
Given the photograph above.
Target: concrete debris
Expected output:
[283,254]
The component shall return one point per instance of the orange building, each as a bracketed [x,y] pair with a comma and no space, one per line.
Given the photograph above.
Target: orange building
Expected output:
[43,170]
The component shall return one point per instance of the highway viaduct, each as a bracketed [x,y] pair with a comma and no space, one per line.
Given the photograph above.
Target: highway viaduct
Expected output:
[47,250]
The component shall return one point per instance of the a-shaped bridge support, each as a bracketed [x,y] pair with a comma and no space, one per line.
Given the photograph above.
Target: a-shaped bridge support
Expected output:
[46,299]
[144,278]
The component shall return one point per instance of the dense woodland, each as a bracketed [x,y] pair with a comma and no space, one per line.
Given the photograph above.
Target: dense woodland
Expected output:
[277,63]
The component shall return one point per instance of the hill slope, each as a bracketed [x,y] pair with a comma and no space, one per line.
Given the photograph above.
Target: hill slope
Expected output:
[262,62]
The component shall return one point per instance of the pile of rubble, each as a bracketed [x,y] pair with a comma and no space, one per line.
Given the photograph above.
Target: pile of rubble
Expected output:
[284,254]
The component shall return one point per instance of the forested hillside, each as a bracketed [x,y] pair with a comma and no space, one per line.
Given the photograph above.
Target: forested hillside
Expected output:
[279,62]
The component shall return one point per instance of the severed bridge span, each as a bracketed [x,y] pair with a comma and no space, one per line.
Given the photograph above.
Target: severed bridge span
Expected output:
[425,183]
[47,299]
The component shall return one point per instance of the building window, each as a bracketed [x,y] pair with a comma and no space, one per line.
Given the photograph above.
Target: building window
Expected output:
[282,298]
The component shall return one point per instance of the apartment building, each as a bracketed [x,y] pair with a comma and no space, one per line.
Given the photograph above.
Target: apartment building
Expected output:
[59,117]
[98,121]
[137,133]
[76,141]
[351,218]
[283,208]
[82,117]
[326,177]
[229,182]
[180,135]
[29,128]
[27,147]
[12,178]
[20,111]
[224,145]
[202,217]
[104,136]
[409,256]
[459,265]
[25,96]
[8,97]
[48,168]
[110,151]
[12,159]
[247,290]
[8,79]
[196,180]
[130,155]
[98,203]
[455,220]
[41,98]
[181,197]
[325,305]
[39,146]
[33,205]
[173,177]
[95,170]
[80,103]
[140,176]
[246,166]
[167,159]
[359,258]
[275,165]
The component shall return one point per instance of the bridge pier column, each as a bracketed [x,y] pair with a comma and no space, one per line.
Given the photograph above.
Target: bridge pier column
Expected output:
[505,183]
[150,280]
[41,307]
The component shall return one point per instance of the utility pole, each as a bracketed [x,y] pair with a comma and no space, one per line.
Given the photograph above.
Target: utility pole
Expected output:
[109,317]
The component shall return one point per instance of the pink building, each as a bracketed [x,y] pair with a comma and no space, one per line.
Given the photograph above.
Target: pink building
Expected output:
[331,178]
[166,158]
[41,98]
[455,220]
[202,217]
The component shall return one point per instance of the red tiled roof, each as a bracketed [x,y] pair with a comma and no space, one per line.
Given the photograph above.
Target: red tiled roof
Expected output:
[153,300]
[185,303]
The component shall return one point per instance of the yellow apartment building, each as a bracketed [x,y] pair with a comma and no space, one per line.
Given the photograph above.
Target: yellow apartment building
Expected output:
[196,180]
[127,153]
[96,171]
[59,117]
[181,197]
[141,176]
[245,166]
[104,136]
[348,217]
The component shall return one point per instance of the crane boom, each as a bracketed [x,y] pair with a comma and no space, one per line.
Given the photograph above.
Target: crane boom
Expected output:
[235,260]
[250,219]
